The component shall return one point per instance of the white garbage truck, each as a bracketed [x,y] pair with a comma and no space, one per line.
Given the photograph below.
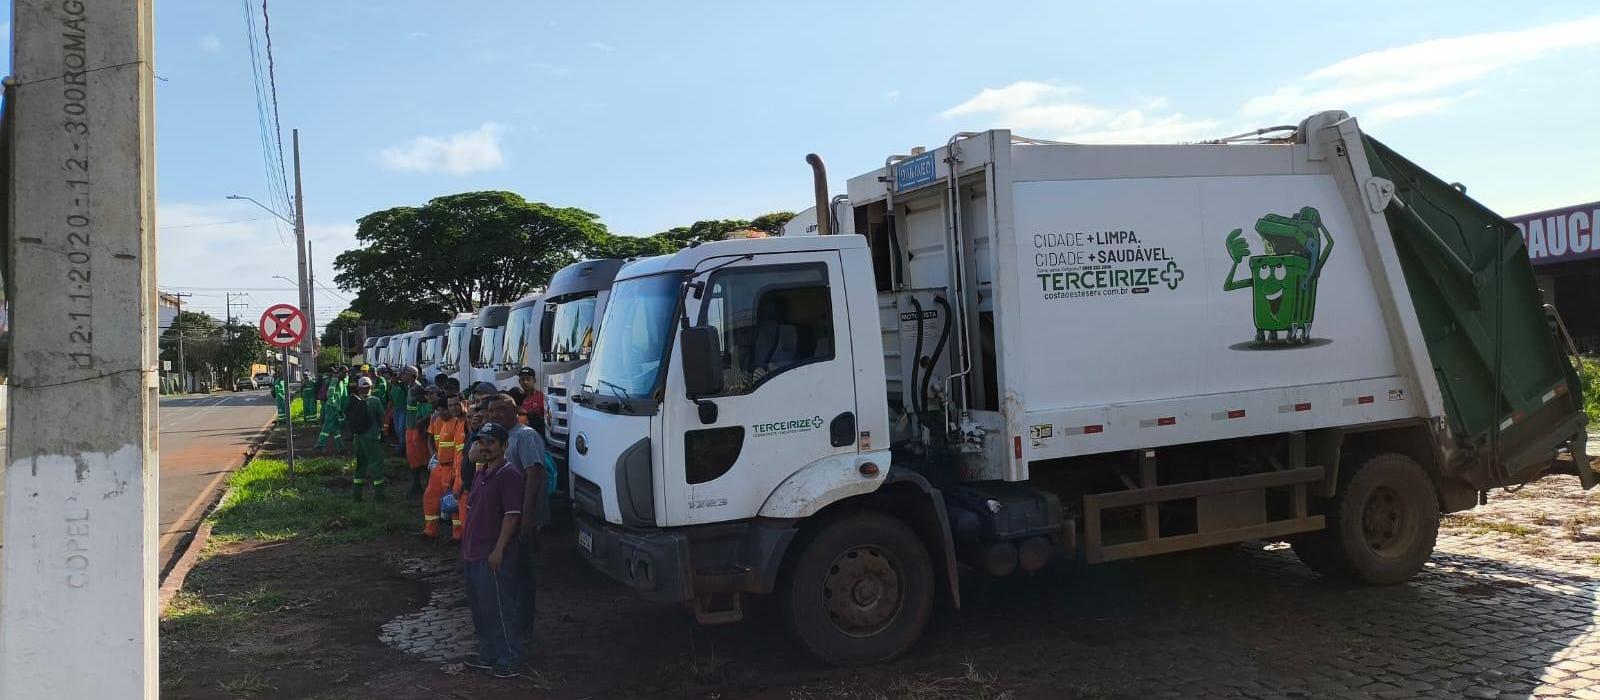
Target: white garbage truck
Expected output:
[1033,349]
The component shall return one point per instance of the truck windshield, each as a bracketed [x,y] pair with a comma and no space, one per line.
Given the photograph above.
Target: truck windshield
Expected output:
[427,350]
[633,337]
[488,345]
[453,342]
[571,329]
[516,340]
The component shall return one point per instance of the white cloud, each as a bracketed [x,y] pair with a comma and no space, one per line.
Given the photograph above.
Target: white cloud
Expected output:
[456,154]
[601,46]
[208,249]
[1412,79]
[1033,108]
[416,35]
[210,43]
[891,96]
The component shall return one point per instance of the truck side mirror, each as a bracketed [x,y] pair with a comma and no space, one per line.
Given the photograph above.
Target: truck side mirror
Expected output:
[702,360]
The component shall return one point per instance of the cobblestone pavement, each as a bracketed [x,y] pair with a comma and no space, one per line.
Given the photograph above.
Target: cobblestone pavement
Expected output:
[441,631]
[1507,608]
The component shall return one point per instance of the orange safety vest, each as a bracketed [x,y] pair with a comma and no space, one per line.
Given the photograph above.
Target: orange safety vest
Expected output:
[451,437]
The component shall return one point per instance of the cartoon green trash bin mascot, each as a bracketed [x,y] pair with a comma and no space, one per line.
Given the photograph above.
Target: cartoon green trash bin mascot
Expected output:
[1284,280]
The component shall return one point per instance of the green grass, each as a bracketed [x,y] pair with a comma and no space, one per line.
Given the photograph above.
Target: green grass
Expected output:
[1589,373]
[203,615]
[261,505]
[1483,526]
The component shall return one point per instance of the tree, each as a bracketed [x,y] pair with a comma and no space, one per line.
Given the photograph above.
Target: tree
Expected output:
[348,325]
[458,253]
[327,357]
[240,346]
[772,222]
[675,239]
[198,330]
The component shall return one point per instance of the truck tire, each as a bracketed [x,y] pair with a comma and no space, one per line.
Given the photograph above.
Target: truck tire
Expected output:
[860,590]
[1382,523]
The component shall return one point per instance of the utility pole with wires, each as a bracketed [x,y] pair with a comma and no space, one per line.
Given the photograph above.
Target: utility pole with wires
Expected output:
[308,353]
[177,321]
[78,615]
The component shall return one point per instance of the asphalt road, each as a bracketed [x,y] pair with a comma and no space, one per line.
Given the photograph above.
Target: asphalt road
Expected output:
[202,439]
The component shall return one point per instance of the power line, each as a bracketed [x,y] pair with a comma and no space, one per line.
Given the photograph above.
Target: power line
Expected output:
[266,118]
[272,77]
[214,223]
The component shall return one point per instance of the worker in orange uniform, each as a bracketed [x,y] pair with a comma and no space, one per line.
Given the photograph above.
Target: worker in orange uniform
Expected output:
[467,469]
[446,456]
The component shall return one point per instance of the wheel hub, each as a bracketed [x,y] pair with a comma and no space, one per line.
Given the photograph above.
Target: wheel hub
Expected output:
[1386,522]
[862,591]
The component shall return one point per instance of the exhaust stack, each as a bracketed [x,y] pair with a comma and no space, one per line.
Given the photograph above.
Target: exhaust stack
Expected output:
[819,178]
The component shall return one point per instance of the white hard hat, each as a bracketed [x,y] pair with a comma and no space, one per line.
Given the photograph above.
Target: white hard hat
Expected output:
[364,382]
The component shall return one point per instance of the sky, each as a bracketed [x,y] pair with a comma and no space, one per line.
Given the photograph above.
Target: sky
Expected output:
[654,115]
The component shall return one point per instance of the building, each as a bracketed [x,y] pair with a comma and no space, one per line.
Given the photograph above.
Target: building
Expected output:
[1565,251]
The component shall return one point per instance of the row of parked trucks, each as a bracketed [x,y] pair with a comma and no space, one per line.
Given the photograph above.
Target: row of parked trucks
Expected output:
[1006,351]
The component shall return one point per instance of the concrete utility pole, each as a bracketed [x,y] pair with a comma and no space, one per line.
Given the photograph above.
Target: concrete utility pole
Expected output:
[78,608]
[311,308]
[183,370]
[308,355]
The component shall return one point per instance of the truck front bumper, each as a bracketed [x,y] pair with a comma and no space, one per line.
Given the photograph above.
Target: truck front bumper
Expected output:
[679,564]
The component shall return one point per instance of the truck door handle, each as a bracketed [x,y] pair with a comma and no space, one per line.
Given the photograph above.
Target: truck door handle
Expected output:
[842,431]
[708,411]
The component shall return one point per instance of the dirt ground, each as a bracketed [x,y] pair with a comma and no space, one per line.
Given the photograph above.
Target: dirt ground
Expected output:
[1506,609]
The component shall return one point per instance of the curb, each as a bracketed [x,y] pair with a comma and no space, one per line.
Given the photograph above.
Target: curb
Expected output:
[172,580]
[188,552]
[180,571]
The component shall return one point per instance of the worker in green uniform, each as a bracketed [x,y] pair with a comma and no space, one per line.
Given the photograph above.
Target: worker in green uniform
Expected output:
[399,417]
[280,392]
[333,413]
[419,444]
[308,399]
[364,418]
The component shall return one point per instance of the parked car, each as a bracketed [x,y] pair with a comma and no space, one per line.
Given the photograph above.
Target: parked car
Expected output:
[263,380]
[245,384]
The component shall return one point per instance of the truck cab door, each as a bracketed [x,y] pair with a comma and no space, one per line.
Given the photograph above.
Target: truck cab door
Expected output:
[788,398]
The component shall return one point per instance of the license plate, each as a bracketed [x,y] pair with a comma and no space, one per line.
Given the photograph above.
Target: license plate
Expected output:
[586,541]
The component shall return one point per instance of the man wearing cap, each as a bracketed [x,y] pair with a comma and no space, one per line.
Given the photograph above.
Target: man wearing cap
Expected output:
[525,450]
[333,413]
[366,435]
[490,550]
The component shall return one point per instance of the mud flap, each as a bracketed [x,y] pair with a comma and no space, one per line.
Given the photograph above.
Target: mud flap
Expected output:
[1582,463]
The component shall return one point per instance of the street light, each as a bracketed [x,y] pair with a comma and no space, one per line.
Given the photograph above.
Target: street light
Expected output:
[307,345]
[268,209]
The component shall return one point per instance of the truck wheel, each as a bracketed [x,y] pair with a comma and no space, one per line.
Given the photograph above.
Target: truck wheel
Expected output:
[1382,524]
[860,591]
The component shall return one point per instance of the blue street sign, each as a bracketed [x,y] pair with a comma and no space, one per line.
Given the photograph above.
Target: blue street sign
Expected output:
[918,170]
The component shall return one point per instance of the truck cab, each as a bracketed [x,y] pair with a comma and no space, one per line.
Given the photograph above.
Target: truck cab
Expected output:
[430,350]
[573,305]
[380,351]
[520,340]
[488,332]
[456,360]
[366,354]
